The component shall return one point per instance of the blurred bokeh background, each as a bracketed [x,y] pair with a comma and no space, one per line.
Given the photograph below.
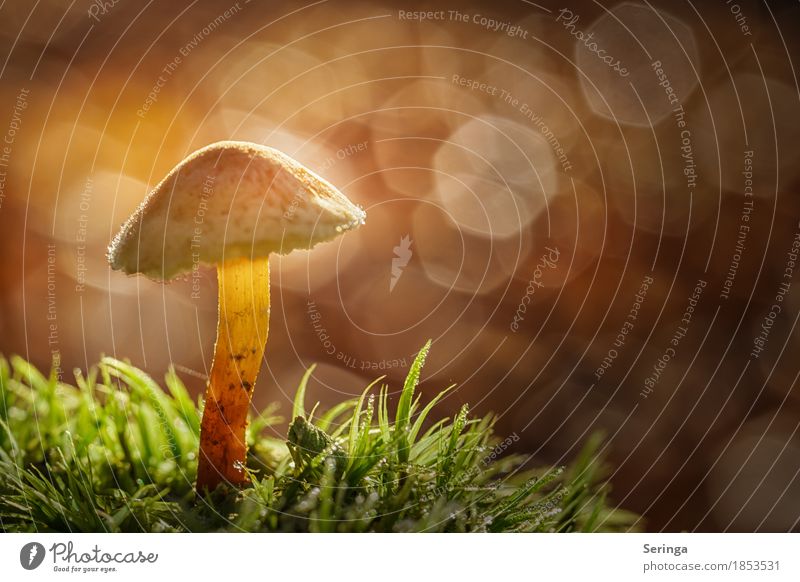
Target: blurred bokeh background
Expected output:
[590,207]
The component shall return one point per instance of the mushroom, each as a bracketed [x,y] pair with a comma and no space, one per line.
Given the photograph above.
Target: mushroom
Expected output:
[231,204]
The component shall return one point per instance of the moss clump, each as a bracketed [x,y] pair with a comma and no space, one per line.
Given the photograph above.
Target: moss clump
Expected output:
[115,452]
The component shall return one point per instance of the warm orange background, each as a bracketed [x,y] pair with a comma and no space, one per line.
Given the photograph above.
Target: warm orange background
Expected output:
[373,102]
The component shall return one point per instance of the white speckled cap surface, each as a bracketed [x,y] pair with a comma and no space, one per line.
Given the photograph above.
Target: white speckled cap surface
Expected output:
[230,200]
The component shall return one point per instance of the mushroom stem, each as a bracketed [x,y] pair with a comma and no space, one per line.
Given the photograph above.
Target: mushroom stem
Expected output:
[241,338]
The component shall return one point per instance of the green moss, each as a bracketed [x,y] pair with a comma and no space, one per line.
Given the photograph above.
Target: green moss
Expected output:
[116,452]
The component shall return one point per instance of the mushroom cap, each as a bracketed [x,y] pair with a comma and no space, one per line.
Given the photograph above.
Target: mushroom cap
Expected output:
[226,201]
